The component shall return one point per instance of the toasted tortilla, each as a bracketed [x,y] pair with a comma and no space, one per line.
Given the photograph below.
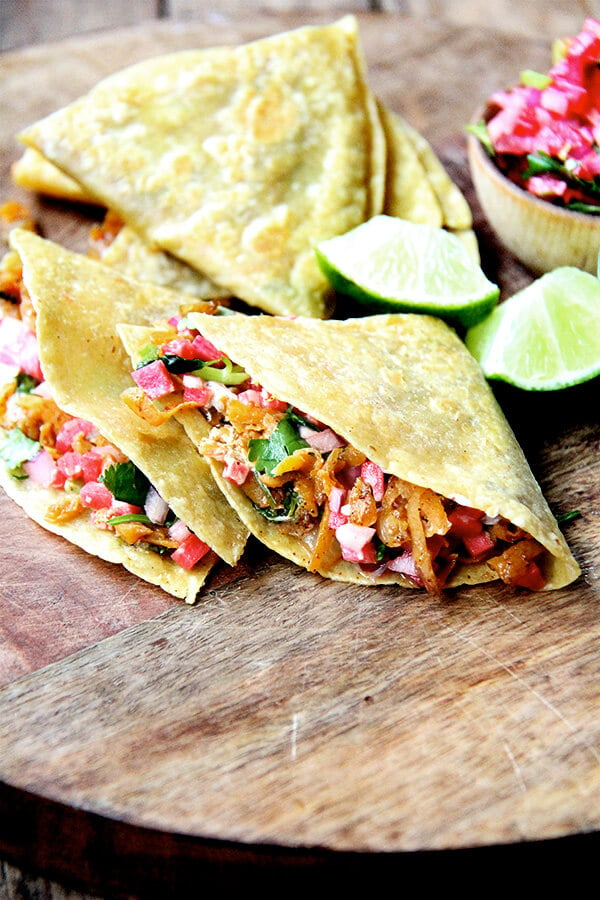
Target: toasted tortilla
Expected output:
[456,212]
[409,194]
[235,160]
[136,258]
[78,302]
[404,390]
[35,173]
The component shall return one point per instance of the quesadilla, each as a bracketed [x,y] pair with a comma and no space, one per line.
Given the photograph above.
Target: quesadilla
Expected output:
[368,450]
[236,160]
[78,461]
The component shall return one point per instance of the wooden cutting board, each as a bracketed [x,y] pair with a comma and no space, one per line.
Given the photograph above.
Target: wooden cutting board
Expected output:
[284,718]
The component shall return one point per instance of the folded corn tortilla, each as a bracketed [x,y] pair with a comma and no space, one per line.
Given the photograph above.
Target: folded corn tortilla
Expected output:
[236,160]
[402,389]
[77,302]
[35,173]
[136,258]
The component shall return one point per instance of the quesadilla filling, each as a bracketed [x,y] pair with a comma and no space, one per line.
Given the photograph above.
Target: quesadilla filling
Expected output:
[60,452]
[300,474]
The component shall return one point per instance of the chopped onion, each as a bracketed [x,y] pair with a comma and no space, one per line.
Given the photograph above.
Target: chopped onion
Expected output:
[155,507]
[324,441]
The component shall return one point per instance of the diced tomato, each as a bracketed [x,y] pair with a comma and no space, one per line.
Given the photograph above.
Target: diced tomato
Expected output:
[190,551]
[269,401]
[204,349]
[196,389]
[558,119]
[531,578]
[84,466]
[70,464]
[236,471]
[179,347]
[465,522]
[122,508]
[478,544]
[95,495]
[71,429]
[154,379]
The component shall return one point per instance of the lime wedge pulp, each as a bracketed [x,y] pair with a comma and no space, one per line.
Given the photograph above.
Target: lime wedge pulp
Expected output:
[392,265]
[546,336]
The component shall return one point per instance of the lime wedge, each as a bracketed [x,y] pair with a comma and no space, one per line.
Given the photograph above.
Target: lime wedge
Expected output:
[546,336]
[392,265]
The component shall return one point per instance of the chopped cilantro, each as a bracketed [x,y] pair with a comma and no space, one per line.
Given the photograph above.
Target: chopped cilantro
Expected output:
[294,416]
[285,512]
[130,517]
[530,78]
[178,364]
[266,453]
[148,354]
[17,449]
[222,370]
[568,517]
[541,163]
[126,482]
[26,383]
[480,130]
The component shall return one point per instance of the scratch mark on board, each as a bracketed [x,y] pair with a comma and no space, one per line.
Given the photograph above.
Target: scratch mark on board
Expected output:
[294,736]
[516,768]
[535,693]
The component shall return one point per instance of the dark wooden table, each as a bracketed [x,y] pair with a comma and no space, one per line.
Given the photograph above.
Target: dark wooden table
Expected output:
[285,729]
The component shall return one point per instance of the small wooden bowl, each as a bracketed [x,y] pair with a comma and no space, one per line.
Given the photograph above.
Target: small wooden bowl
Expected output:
[542,236]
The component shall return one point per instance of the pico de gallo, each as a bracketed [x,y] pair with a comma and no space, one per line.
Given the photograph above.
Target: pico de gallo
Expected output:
[298,473]
[57,451]
[544,133]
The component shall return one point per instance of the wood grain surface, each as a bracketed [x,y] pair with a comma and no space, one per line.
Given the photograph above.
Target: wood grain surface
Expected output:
[285,721]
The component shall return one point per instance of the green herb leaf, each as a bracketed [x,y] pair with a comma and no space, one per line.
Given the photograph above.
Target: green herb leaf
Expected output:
[17,449]
[530,78]
[267,453]
[126,482]
[568,517]
[227,373]
[292,415]
[129,517]
[222,369]
[148,354]
[480,130]
[285,513]
[25,383]
[541,163]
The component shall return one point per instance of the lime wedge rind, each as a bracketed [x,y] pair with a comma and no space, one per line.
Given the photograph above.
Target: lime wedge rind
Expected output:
[546,337]
[391,265]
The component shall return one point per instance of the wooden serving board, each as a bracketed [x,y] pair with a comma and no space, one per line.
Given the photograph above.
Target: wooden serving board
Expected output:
[284,717]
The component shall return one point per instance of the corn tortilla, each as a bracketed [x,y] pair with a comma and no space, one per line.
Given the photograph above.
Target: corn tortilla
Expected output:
[405,391]
[77,302]
[235,160]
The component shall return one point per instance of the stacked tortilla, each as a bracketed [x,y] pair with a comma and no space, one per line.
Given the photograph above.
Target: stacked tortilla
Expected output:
[236,161]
